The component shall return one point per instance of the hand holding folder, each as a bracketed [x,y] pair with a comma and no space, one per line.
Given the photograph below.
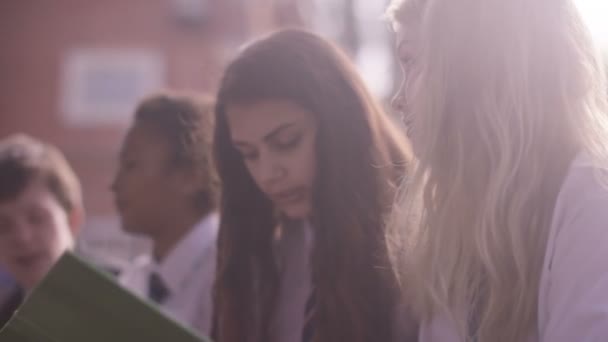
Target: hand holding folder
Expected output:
[78,303]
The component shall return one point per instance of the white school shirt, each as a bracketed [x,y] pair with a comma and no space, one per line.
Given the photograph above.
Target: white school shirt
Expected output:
[573,292]
[188,272]
[293,254]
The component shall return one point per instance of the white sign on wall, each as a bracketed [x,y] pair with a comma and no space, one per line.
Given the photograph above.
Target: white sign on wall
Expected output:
[103,86]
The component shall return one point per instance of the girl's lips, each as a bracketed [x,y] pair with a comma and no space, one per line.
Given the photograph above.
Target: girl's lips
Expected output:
[289,196]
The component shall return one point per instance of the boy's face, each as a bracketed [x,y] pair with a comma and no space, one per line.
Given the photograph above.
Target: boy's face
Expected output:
[35,231]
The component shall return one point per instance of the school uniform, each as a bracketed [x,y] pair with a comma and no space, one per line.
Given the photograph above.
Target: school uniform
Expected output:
[573,292]
[293,256]
[293,319]
[182,283]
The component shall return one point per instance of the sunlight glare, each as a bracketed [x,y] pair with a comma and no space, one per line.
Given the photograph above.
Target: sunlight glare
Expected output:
[595,13]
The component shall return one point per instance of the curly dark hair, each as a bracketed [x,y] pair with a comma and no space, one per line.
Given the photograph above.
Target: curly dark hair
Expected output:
[187,122]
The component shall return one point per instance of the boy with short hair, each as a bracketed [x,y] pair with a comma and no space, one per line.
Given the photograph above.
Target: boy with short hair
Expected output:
[41,212]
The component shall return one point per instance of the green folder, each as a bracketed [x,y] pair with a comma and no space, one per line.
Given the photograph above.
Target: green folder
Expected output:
[78,303]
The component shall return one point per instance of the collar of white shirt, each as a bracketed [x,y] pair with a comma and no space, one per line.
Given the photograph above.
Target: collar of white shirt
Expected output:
[189,254]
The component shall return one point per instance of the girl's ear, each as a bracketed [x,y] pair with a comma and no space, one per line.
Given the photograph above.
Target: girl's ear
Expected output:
[188,181]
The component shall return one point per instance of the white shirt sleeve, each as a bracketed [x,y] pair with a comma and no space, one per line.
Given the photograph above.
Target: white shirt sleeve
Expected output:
[576,285]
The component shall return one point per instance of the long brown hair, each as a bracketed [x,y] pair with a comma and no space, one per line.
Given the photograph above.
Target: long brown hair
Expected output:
[361,155]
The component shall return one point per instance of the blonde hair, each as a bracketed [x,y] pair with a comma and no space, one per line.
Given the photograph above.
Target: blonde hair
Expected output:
[509,92]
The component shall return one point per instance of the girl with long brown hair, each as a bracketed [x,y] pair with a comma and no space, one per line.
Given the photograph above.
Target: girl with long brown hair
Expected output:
[309,163]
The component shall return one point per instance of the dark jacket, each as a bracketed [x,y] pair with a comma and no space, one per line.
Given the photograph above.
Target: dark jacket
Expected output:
[9,306]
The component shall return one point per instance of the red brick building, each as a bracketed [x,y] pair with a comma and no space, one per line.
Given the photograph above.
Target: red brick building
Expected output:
[59,60]
[71,71]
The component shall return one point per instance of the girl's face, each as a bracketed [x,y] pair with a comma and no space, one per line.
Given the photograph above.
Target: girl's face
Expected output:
[408,49]
[277,141]
[148,189]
